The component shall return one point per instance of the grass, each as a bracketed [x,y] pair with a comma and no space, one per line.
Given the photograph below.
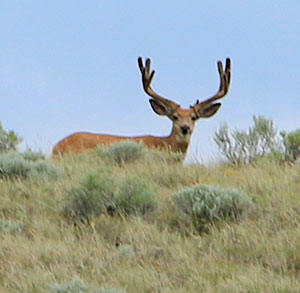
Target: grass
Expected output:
[41,251]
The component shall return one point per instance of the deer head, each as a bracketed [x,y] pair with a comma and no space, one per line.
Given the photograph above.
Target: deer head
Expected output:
[184,119]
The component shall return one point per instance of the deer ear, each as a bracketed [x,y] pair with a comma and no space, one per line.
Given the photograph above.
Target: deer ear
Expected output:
[160,109]
[209,110]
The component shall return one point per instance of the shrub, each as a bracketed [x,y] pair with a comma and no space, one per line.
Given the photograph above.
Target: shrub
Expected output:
[134,197]
[94,196]
[243,147]
[79,286]
[204,204]
[291,143]
[99,194]
[124,152]
[7,226]
[14,165]
[33,156]
[43,169]
[8,140]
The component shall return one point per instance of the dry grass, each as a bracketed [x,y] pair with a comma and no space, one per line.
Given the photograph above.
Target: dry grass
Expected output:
[261,253]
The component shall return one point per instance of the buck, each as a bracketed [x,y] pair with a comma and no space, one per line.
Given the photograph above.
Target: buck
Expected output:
[183,119]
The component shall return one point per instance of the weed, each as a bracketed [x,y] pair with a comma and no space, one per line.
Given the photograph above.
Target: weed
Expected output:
[205,204]
[14,165]
[243,147]
[9,140]
[124,152]
[134,197]
[94,196]
[79,286]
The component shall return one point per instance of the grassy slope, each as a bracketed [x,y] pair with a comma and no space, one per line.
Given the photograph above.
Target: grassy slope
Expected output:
[259,254]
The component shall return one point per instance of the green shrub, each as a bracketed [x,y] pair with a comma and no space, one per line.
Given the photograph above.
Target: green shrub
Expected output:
[44,169]
[134,197]
[14,165]
[100,194]
[124,152]
[8,140]
[79,286]
[204,204]
[33,156]
[291,142]
[244,147]
[7,226]
[94,196]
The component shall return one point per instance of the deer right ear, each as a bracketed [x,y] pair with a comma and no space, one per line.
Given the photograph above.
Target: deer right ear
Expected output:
[160,109]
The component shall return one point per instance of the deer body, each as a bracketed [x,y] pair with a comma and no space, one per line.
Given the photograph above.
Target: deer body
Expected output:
[81,141]
[183,119]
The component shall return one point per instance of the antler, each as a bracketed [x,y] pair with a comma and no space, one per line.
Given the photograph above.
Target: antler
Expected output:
[224,84]
[147,77]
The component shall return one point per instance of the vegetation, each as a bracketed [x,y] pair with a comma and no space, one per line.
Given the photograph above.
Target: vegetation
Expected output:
[79,286]
[134,197]
[100,194]
[117,247]
[205,204]
[9,140]
[261,140]
[14,165]
[291,142]
[94,196]
[242,146]
[123,152]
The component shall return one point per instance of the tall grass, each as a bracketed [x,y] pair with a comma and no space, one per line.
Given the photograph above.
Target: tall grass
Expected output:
[40,250]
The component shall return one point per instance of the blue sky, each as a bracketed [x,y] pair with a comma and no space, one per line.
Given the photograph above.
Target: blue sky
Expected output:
[71,66]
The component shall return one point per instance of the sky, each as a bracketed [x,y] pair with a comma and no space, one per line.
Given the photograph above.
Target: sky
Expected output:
[68,66]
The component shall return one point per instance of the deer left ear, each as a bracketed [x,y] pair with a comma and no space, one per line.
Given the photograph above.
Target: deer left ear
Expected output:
[160,108]
[209,110]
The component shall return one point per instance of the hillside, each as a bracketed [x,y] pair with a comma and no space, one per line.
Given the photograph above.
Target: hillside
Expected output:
[44,249]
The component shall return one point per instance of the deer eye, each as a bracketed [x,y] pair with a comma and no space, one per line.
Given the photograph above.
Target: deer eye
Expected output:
[175,117]
[194,118]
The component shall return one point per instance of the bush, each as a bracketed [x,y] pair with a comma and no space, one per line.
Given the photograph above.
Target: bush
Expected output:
[33,156]
[243,147]
[204,204]
[134,197]
[94,196]
[124,152]
[79,286]
[14,165]
[99,194]
[8,140]
[291,143]
[11,227]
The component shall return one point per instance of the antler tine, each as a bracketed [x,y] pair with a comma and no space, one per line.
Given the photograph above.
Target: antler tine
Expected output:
[228,70]
[224,83]
[147,76]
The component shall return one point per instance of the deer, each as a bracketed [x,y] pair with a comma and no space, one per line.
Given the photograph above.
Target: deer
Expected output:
[183,120]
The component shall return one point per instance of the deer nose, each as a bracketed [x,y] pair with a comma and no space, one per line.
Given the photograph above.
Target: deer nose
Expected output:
[185,129]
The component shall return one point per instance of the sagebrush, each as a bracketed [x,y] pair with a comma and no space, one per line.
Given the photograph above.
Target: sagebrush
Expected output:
[134,196]
[205,204]
[9,140]
[101,194]
[124,152]
[291,142]
[243,147]
[15,165]
[93,197]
